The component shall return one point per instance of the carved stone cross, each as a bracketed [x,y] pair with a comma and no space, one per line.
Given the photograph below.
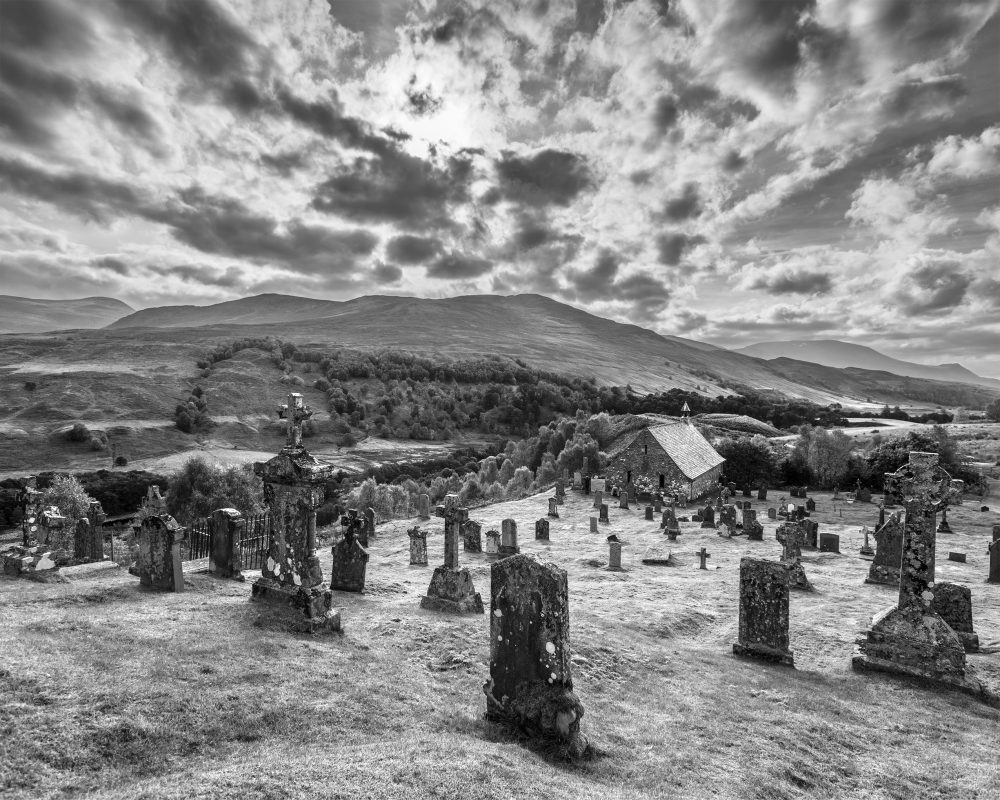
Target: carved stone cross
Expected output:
[295,411]
[703,554]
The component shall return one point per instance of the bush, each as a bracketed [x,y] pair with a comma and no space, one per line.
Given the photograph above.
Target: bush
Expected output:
[78,433]
[30,385]
[120,461]
[96,443]
[199,488]
[72,500]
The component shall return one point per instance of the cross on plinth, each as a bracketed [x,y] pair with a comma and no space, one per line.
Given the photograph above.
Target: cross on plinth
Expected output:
[296,412]
[454,519]
[703,554]
[924,489]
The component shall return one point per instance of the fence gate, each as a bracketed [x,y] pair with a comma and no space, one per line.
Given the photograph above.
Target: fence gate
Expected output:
[253,544]
[199,541]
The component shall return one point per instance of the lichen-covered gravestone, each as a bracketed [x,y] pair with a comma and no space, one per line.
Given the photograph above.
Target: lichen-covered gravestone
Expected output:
[615,556]
[593,524]
[542,529]
[451,587]
[560,495]
[994,573]
[911,638]
[829,543]
[751,527]
[790,535]
[954,604]
[623,500]
[88,542]
[508,537]
[472,536]
[492,547]
[888,552]
[772,513]
[226,529]
[553,508]
[604,513]
[598,499]
[289,592]
[349,564]
[531,684]
[158,563]
[418,546]
[763,611]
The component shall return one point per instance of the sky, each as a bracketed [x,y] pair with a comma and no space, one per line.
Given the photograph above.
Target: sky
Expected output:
[731,171]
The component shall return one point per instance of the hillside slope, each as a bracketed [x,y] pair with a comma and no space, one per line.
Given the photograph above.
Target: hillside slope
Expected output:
[28,315]
[833,353]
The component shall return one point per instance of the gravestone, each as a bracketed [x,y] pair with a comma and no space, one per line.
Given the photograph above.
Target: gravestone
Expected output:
[630,491]
[672,534]
[560,496]
[953,556]
[424,506]
[586,484]
[585,467]
[615,556]
[577,480]
[418,546]
[623,500]
[531,685]
[669,519]
[747,492]
[866,548]
[51,526]
[727,518]
[762,493]
[289,591]
[829,543]
[810,505]
[810,532]
[703,554]
[888,552]
[943,526]
[954,604]
[772,513]
[158,563]
[604,512]
[658,557]
[369,528]
[763,631]
[790,534]
[593,524]
[599,485]
[508,540]
[708,517]
[657,504]
[598,499]
[649,513]
[351,519]
[881,516]
[227,528]
[350,563]
[751,527]
[912,638]
[451,589]
[492,547]
[994,574]
[553,508]
[472,539]
[88,542]
[542,529]
[153,502]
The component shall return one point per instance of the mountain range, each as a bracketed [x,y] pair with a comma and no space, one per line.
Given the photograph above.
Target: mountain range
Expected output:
[542,332]
[28,315]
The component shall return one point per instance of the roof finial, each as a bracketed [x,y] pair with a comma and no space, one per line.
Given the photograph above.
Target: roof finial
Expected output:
[686,411]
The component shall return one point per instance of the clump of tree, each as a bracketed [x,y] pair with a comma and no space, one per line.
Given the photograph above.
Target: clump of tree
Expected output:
[68,495]
[890,454]
[750,460]
[192,415]
[199,488]
[993,411]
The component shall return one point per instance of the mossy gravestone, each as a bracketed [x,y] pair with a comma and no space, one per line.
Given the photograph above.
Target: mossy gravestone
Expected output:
[531,684]
[763,611]
[888,552]
[226,526]
[790,534]
[418,546]
[350,563]
[472,536]
[158,563]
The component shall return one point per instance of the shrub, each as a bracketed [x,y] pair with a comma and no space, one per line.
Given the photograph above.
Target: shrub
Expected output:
[30,385]
[199,488]
[78,433]
[97,444]
[120,461]
[72,500]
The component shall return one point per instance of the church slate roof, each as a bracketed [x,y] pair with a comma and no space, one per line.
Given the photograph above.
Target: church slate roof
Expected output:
[688,449]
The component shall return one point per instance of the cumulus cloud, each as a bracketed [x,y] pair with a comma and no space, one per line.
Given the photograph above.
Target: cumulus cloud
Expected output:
[785,279]
[409,249]
[932,285]
[546,177]
[458,266]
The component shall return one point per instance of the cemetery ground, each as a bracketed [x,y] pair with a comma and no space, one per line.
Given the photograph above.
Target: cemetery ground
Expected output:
[113,691]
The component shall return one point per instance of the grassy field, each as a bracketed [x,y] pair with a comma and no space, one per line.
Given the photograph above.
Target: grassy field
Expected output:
[111,691]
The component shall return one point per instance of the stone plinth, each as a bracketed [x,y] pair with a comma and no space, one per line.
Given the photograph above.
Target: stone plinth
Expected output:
[452,591]
[295,608]
[227,527]
[418,547]
[531,685]
[158,564]
[888,552]
[763,611]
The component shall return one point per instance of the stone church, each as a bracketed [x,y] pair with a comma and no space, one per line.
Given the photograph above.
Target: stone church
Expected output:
[670,452]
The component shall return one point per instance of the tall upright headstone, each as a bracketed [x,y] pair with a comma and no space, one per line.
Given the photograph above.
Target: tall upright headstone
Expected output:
[531,684]
[492,546]
[708,517]
[943,526]
[508,537]
[542,529]
[418,546]
[88,542]
[598,499]
[604,513]
[751,527]
[226,530]
[472,536]
[790,534]
[560,494]
[994,549]
[424,506]
[353,521]
[553,508]
[623,500]
[290,590]
[369,528]
[349,562]
[912,638]
[451,587]
[888,552]
[158,562]
[763,629]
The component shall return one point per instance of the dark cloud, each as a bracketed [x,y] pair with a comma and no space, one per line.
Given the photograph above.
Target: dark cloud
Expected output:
[284,163]
[112,264]
[547,177]
[935,96]
[408,249]
[589,16]
[647,295]
[672,246]
[44,26]
[686,321]
[126,112]
[230,278]
[594,283]
[386,273]
[687,206]
[665,113]
[396,187]
[326,118]
[733,161]
[458,266]
[926,29]
[933,288]
[531,234]
[790,280]
[640,177]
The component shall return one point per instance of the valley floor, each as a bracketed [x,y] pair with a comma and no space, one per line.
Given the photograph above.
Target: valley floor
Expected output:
[110,691]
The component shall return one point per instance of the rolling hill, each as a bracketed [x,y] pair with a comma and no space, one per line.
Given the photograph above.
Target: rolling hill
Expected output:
[833,353]
[28,315]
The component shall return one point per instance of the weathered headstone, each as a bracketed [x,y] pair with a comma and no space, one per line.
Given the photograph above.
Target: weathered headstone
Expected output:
[911,638]
[615,556]
[369,529]
[226,530]
[888,552]
[810,505]
[350,563]
[954,604]
[810,530]
[158,563]
[424,506]
[943,526]
[649,513]
[88,542]
[953,556]
[553,508]
[418,546]
[658,557]
[727,518]
[599,485]
[531,684]
[829,543]
[672,533]
[577,480]
[593,524]
[542,529]
[762,493]
[359,530]
[586,484]
[508,540]
[763,611]
[623,500]
[708,517]
[751,527]
[585,467]
[866,548]
[472,536]
[703,554]
[52,525]
[790,534]
[598,499]
[560,495]
[657,504]
[772,513]
[492,547]
[451,587]
[994,574]
[604,513]
[290,590]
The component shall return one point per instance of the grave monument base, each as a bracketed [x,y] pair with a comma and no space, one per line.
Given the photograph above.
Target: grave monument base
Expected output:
[550,713]
[453,592]
[885,576]
[295,607]
[764,653]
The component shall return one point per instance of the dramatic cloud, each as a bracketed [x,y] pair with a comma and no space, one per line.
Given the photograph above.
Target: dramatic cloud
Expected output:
[458,266]
[408,249]
[790,280]
[548,177]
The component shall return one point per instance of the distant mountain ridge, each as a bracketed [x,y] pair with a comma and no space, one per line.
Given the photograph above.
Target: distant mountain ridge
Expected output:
[30,315]
[834,353]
